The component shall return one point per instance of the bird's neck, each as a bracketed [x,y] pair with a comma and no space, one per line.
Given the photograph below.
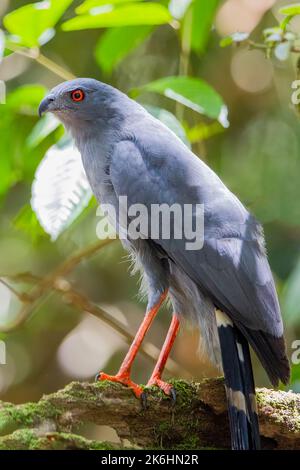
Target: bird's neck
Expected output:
[96,150]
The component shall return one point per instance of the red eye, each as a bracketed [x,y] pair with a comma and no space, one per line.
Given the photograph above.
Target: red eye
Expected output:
[77,95]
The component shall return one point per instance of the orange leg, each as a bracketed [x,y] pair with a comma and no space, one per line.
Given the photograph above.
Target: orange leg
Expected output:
[123,376]
[155,378]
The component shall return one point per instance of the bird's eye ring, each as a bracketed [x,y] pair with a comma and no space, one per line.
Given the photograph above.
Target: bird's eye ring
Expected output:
[77,95]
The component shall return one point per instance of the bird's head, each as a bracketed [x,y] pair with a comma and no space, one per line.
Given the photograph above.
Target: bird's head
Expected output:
[78,101]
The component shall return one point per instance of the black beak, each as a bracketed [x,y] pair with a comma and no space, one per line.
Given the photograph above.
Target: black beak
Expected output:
[44,105]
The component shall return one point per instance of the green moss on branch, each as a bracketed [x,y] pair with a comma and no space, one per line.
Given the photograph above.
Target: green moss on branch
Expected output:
[198,420]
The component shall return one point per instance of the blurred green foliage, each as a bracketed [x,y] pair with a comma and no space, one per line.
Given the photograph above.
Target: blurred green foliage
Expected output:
[167,57]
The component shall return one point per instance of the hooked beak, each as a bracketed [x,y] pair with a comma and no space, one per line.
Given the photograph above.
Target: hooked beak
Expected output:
[44,106]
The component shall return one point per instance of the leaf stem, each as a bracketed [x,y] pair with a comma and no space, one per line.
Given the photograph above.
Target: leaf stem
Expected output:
[283,25]
[53,67]
[36,55]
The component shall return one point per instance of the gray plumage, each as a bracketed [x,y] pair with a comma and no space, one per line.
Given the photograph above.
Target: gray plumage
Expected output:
[125,151]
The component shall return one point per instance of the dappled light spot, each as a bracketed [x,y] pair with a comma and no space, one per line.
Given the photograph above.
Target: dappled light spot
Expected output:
[5,300]
[251,71]
[17,365]
[87,348]
[241,15]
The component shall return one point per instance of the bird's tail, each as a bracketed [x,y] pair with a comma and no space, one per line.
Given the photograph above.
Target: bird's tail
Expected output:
[239,383]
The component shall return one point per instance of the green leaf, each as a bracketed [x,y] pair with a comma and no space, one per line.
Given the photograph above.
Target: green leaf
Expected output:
[33,24]
[133,14]
[290,10]
[116,43]
[88,5]
[60,190]
[226,41]
[203,131]
[285,22]
[6,170]
[170,121]
[44,127]
[295,379]
[14,128]
[25,99]
[203,13]
[235,37]
[26,221]
[191,92]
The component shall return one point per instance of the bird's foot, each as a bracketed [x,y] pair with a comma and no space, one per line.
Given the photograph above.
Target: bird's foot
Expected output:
[125,380]
[167,388]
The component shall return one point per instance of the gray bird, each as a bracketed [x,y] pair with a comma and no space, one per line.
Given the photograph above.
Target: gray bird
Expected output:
[225,287]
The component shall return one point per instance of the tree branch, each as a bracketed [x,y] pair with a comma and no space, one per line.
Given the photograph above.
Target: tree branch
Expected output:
[57,282]
[198,419]
[31,299]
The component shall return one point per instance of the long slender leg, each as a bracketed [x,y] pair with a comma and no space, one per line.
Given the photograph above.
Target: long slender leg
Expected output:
[155,378]
[123,376]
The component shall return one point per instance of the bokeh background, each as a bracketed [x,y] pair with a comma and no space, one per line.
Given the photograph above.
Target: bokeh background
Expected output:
[257,155]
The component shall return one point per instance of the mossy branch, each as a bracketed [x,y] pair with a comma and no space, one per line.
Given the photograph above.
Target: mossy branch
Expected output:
[198,419]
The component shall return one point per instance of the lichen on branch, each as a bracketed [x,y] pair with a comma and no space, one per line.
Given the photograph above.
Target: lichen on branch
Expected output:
[197,420]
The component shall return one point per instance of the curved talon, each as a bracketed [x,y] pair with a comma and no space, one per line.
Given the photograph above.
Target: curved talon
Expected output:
[173,395]
[143,399]
[98,377]
[167,388]
[123,380]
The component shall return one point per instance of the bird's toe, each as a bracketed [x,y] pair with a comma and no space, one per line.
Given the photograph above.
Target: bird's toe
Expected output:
[167,388]
[123,379]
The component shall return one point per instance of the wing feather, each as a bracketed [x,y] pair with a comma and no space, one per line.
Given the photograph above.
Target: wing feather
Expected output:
[232,267]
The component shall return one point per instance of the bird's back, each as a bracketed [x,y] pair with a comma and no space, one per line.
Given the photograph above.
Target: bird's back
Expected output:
[232,267]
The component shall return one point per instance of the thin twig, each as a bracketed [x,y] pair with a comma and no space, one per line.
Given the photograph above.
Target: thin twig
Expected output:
[82,303]
[53,67]
[22,296]
[84,253]
[56,282]
[25,312]
[256,45]
[66,267]
[30,300]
